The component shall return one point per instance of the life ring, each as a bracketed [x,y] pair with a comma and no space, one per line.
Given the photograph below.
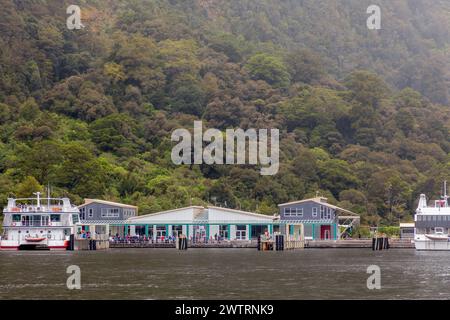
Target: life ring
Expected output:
[13,224]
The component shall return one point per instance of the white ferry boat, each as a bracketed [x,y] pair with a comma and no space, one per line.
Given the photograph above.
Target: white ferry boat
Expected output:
[432,224]
[38,223]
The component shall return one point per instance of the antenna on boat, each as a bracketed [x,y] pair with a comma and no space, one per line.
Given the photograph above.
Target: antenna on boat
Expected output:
[38,195]
[445,193]
[48,195]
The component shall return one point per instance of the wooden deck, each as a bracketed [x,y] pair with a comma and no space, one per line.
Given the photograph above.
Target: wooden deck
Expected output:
[357,243]
[309,244]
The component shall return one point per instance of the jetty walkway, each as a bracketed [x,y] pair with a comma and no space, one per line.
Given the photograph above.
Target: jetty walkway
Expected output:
[354,243]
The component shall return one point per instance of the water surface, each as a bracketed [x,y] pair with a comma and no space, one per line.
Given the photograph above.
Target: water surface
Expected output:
[225,274]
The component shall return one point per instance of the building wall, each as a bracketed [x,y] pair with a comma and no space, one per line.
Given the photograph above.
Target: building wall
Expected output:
[314,230]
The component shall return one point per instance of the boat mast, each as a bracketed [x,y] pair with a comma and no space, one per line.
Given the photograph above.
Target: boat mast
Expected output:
[48,196]
[38,194]
[445,194]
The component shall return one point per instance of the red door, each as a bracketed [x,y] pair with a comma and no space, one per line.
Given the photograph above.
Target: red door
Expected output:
[325,232]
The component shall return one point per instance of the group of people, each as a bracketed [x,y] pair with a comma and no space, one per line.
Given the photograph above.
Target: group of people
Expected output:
[83,234]
[141,238]
[163,239]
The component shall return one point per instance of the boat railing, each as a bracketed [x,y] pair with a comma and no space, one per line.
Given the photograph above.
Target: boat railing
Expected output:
[64,221]
[30,209]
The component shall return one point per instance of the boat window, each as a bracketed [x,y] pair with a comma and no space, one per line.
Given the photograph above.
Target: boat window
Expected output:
[16,217]
[75,218]
[55,218]
[45,220]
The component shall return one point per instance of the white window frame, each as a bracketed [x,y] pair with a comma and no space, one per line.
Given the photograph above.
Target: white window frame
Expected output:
[110,212]
[286,214]
[90,213]
[315,212]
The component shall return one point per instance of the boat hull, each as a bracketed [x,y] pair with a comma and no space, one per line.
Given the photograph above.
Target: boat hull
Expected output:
[432,245]
[11,245]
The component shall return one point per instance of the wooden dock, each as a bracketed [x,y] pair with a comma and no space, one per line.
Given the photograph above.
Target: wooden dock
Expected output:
[91,244]
[288,245]
[357,243]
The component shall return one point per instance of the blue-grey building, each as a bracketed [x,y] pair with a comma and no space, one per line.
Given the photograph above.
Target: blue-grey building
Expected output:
[100,210]
[95,213]
[320,219]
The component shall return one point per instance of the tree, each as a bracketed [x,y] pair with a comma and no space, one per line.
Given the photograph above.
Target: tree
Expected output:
[366,88]
[81,172]
[304,66]
[27,187]
[269,68]
[41,160]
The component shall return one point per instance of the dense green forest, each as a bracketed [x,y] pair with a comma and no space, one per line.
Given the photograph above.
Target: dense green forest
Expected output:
[363,114]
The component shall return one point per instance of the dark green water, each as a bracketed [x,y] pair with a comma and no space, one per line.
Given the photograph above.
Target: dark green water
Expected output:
[225,274]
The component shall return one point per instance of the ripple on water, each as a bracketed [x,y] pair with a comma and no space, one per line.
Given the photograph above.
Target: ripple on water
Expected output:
[222,273]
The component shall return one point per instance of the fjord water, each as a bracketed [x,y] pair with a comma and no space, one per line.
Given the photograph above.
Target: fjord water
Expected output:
[225,274]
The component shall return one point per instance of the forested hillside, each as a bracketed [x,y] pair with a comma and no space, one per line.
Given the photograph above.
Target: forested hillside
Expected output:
[363,114]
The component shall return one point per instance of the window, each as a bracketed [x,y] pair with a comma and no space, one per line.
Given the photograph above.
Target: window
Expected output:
[16,217]
[128,213]
[287,212]
[75,218]
[241,232]
[91,213]
[293,212]
[325,212]
[160,231]
[36,220]
[45,220]
[314,212]
[55,218]
[223,231]
[110,212]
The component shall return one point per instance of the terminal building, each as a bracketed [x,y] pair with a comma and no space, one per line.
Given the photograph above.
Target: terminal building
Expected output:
[315,218]
[198,223]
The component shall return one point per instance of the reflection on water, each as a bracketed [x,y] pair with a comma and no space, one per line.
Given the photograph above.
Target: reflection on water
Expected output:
[225,274]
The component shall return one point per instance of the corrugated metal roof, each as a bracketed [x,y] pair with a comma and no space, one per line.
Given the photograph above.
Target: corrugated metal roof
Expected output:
[321,201]
[111,203]
[99,222]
